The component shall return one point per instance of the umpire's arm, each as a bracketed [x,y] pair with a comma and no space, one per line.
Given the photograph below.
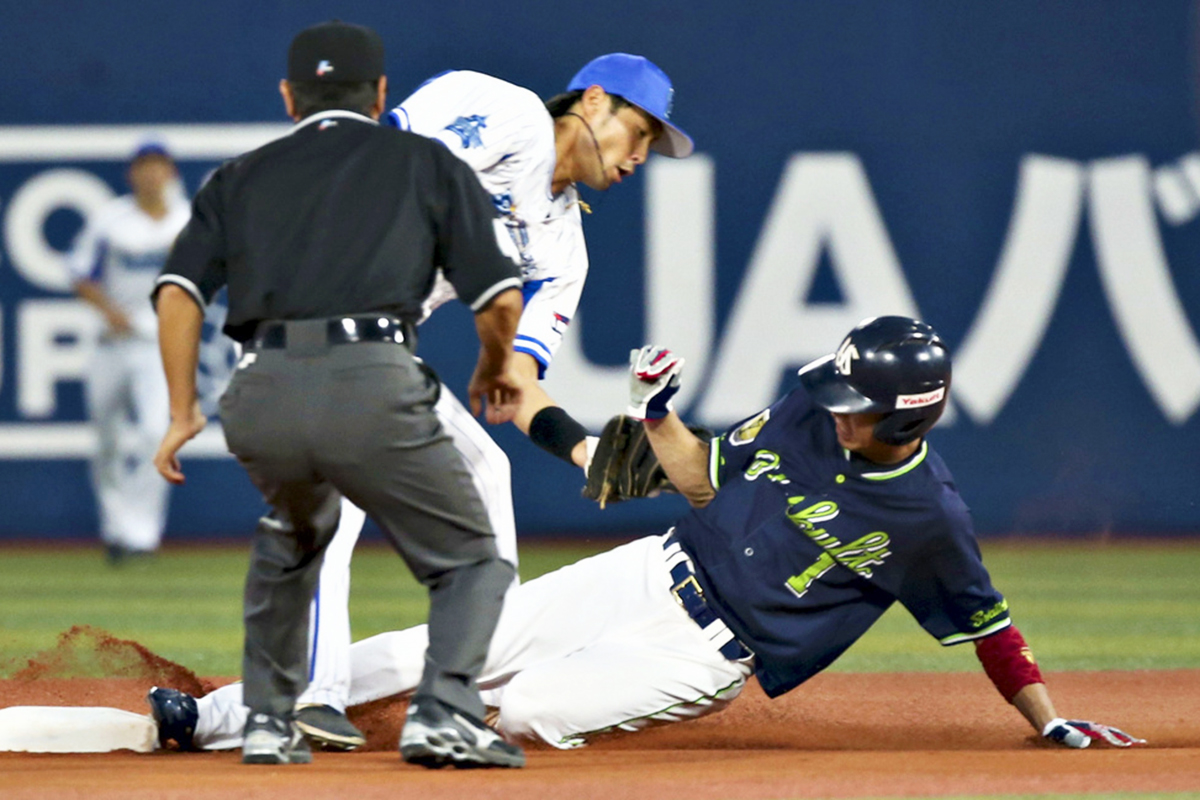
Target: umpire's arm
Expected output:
[194,272]
[179,324]
[683,456]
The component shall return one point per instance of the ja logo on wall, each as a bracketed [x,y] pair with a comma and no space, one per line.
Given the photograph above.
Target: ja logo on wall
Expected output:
[824,203]
[53,335]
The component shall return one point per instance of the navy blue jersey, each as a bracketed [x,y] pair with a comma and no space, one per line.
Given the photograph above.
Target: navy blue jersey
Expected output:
[805,545]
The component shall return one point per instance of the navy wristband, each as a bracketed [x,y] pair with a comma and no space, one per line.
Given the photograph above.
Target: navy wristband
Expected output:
[553,430]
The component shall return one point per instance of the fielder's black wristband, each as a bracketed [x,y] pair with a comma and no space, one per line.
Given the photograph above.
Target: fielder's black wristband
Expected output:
[553,430]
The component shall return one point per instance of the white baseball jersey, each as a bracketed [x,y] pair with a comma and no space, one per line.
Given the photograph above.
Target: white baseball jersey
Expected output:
[122,248]
[505,133]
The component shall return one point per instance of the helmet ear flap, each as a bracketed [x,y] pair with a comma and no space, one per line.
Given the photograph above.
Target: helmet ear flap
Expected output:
[902,427]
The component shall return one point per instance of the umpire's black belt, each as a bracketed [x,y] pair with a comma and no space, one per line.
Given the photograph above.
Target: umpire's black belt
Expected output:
[272,335]
[686,589]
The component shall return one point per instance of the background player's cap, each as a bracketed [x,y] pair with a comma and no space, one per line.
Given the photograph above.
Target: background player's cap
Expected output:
[150,147]
[642,83]
[335,51]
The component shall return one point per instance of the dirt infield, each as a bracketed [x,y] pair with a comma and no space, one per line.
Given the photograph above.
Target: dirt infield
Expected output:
[839,735]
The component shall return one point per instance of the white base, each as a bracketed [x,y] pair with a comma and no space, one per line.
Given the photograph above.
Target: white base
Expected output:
[65,729]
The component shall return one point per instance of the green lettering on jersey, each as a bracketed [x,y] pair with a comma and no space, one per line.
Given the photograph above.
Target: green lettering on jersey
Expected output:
[799,583]
[861,554]
[764,461]
[821,511]
[981,618]
[858,556]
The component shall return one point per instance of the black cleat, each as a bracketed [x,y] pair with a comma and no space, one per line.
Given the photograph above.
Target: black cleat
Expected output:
[328,728]
[176,715]
[118,555]
[436,735]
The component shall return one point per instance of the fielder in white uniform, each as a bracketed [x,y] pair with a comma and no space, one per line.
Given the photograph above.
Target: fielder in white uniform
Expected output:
[113,264]
[528,155]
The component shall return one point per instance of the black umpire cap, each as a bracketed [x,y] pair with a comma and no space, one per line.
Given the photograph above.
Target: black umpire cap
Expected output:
[336,51]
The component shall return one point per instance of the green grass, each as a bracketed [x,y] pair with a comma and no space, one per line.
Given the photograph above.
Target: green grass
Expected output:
[185,603]
[1081,605]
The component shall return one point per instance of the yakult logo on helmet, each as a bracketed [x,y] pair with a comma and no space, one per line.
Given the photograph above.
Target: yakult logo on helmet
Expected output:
[919,400]
[324,67]
[845,355]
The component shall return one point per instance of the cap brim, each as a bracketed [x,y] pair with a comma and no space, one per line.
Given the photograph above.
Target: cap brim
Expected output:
[673,143]
[830,391]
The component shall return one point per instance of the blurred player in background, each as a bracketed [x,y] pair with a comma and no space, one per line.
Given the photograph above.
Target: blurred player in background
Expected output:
[114,264]
[529,156]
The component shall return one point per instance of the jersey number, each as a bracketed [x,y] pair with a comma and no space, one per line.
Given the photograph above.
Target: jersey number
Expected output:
[858,556]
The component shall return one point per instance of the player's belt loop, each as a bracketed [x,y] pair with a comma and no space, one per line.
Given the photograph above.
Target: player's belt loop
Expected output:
[688,593]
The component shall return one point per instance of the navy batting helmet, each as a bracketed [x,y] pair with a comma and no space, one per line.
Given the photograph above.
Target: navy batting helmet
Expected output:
[894,365]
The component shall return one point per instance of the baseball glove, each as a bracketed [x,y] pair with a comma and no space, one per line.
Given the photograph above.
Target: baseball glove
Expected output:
[624,465]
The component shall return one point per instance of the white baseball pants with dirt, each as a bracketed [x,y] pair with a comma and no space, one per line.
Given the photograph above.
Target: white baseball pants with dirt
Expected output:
[596,646]
[329,620]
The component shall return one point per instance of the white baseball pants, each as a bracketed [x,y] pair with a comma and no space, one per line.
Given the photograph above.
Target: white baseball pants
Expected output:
[329,620]
[127,402]
[596,646]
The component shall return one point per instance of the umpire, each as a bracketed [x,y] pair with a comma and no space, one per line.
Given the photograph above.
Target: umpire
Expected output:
[328,240]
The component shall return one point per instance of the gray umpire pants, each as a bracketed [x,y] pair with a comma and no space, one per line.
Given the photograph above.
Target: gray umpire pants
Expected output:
[311,422]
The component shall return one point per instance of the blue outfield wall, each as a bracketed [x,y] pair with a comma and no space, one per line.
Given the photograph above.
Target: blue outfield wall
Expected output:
[1023,175]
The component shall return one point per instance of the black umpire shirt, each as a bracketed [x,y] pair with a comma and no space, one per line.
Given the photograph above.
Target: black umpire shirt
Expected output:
[341,216]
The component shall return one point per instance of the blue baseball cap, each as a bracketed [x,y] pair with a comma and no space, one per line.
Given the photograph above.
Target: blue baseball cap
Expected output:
[642,83]
[150,148]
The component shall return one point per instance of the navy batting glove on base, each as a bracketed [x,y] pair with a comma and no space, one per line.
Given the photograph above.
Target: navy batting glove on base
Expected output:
[1079,734]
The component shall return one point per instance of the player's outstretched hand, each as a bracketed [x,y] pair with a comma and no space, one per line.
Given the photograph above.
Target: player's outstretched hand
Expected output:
[653,381]
[178,434]
[1079,733]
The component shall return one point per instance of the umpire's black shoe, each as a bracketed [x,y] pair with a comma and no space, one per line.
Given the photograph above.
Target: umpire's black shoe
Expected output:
[176,715]
[436,734]
[271,740]
[328,728]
